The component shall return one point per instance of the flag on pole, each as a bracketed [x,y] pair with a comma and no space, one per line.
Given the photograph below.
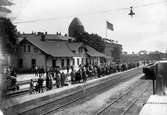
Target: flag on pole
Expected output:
[109,26]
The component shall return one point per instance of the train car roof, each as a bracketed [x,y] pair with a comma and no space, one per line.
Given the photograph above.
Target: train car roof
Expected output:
[156,105]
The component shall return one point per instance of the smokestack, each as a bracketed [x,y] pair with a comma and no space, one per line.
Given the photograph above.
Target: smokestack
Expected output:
[43,37]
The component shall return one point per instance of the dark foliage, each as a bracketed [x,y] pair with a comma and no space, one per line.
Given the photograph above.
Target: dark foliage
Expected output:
[10,33]
[92,40]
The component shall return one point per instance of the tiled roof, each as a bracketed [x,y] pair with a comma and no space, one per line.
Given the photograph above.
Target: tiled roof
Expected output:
[48,37]
[94,53]
[53,48]
[90,51]
[75,46]
[58,37]
[60,48]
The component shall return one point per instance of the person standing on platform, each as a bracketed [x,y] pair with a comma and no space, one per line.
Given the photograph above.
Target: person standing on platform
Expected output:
[98,71]
[50,82]
[118,67]
[84,74]
[63,77]
[72,76]
[58,78]
[68,78]
[40,84]
[80,74]
[47,81]
[31,86]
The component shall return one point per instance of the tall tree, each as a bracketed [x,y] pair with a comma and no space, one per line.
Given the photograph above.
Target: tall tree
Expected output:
[10,32]
[92,40]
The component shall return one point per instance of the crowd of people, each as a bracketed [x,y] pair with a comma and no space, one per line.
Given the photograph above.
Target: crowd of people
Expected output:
[84,72]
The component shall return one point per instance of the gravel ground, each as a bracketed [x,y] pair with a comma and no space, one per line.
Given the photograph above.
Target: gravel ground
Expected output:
[91,106]
[123,103]
[134,110]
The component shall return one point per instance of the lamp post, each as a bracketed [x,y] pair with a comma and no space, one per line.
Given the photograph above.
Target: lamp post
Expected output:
[131,12]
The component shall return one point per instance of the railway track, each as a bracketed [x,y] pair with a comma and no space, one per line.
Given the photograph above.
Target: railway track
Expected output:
[94,90]
[54,103]
[124,98]
[80,99]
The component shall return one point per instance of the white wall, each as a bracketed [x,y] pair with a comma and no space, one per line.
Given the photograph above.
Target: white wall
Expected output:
[76,66]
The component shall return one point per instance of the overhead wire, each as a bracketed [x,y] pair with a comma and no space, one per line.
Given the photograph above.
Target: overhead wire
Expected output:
[93,13]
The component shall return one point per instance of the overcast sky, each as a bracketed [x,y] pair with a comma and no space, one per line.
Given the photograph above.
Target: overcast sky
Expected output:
[147,30]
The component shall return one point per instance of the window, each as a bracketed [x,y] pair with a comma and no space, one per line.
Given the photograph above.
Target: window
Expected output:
[73,61]
[74,51]
[53,63]
[33,63]
[62,63]
[68,62]
[78,61]
[24,48]
[35,50]
[29,48]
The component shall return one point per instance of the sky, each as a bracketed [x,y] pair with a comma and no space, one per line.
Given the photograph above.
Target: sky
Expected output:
[145,31]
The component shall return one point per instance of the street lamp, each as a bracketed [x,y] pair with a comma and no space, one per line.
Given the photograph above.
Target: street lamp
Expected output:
[131,12]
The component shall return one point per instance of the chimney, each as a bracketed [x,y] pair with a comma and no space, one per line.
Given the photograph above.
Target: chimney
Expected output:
[38,33]
[46,33]
[42,36]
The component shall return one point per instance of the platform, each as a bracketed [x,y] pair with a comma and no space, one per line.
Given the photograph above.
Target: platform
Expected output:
[156,105]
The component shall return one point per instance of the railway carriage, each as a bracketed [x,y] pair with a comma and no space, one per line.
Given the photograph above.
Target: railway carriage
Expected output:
[157,103]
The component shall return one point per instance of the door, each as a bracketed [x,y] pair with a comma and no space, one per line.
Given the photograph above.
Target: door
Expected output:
[33,63]
[20,63]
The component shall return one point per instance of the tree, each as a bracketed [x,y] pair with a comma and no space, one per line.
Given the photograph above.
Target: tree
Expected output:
[142,52]
[10,32]
[92,40]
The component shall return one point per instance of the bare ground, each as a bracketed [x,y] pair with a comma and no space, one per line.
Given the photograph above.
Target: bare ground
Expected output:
[91,106]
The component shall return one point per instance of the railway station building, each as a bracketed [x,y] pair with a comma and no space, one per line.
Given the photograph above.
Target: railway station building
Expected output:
[46,51]
[113,51]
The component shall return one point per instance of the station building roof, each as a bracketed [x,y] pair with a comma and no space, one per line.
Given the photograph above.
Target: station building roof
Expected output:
[93,53]
[60,48]
[53,48]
